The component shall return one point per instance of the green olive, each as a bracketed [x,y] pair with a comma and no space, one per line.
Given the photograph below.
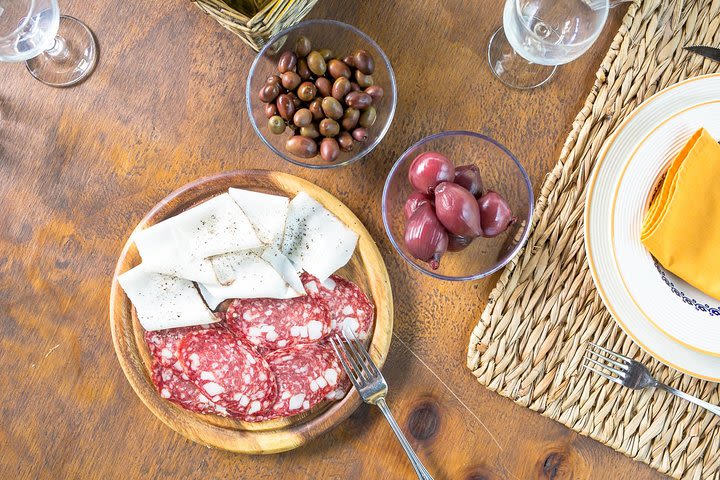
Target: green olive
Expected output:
[301,146]
[368,117]
[332,108]
[326,53]
[302,118]
[350,118]
[303,46]
[316,63]
[276,124]
[306,91]
[309,131]
[364,80]
[329,127]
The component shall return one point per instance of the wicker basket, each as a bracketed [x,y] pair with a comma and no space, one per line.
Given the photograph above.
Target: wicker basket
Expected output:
[255,21]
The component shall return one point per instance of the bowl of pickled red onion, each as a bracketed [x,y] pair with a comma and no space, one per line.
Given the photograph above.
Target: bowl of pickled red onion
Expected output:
[457,205]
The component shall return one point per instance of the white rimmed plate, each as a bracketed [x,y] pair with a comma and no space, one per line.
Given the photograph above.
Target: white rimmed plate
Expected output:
[668,318]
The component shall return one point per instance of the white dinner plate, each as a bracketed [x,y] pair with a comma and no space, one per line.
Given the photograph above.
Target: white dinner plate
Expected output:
[668,318]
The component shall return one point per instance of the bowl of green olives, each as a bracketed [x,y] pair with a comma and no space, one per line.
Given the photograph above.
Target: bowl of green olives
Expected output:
[321,94]
[457,205]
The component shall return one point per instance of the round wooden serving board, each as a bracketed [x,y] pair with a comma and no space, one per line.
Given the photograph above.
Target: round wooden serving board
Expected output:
[366,268]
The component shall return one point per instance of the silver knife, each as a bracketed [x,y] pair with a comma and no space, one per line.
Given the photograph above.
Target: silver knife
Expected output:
[708,52]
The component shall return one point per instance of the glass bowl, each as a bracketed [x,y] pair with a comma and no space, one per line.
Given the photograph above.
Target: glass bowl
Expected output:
[500,171]
[342,39]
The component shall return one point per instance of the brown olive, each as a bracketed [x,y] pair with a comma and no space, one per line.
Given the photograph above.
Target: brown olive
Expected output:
[326,53]
[349,61]
[302,118]
[309,131]
[329,149]
[302,46]
[340,88]
[338,69]
[315,108]
[329,127]
[306,91]
[272,79]
[269,92]
[346,142]
[332,108]
[276,125]
[354,87]
[324,86]
[364,62]
[287,62]
[364,80]
[316,63]
[303,70]
[350,118]
[295,99]
[301,146]
[285,106]
[368,117]
[359,100]
[376,92]
[360,134]
[290,80]
[270,109]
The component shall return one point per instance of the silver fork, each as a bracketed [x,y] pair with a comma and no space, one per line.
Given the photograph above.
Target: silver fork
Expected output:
[372,387]
[632,374]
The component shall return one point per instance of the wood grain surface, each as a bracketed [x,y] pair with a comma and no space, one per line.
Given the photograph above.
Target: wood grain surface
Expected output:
[80,167]
[365,268]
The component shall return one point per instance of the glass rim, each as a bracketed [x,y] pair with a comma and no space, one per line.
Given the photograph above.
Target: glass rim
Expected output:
[591,39]
[509,256]
[385,60]
[23,24]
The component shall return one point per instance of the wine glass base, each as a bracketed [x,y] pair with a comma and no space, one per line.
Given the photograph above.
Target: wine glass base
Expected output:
[512,69]
[69,65]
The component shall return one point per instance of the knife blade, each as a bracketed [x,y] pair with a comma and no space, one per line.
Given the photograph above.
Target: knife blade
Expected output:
[708,52]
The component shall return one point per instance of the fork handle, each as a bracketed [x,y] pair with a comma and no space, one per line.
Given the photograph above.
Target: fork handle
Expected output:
[702,403]
[420,470]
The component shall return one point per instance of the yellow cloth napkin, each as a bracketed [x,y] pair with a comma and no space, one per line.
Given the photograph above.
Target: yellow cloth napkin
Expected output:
[682,227]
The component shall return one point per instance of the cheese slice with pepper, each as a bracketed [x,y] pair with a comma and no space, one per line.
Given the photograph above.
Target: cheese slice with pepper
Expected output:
[266,213]
[315,240]
[181,244]
[163,301]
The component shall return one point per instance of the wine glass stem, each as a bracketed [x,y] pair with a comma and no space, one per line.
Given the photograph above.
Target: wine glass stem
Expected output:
[59,51]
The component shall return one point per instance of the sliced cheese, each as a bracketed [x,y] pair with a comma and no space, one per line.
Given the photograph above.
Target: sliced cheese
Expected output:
[179,245]
[266,213]
[315,240]
[284,267]
[162,251]
[227,265]
[254,278]
[163,301]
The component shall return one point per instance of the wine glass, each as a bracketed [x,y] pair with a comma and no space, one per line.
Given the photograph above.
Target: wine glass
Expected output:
[539,35]
[58,50]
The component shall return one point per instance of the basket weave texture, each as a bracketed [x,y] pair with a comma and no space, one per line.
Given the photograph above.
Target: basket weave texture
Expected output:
[530,340]
[256,21]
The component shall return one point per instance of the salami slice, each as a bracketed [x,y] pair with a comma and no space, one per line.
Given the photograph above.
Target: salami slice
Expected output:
[306,374]
[177,388]
[168,375]
[269,323]
[348,305]
[227,371]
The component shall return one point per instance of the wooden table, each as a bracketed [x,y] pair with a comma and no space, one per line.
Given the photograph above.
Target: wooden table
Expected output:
[79,167]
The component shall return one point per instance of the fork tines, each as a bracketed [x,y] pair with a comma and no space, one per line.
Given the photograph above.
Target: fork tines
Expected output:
[354,358]
[606,363]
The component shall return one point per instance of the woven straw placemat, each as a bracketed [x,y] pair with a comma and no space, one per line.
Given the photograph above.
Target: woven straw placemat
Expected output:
[530,340]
